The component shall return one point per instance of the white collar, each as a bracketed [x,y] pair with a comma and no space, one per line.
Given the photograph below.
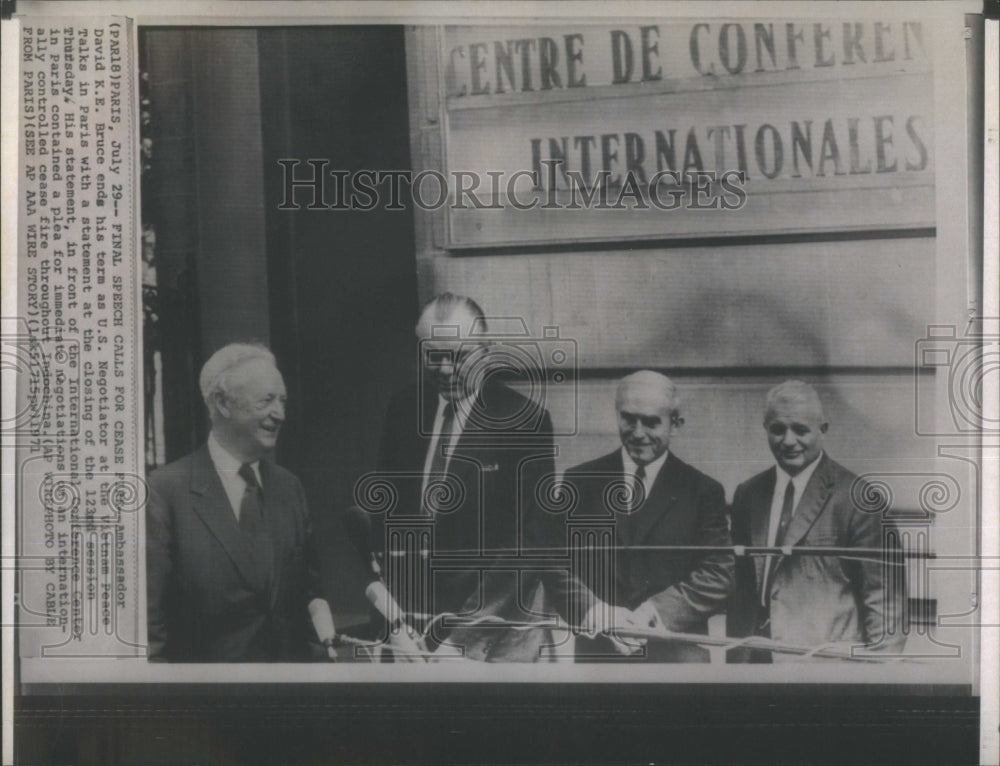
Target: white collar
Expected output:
[224,460]
[652,469]
[801,479]
[461,408]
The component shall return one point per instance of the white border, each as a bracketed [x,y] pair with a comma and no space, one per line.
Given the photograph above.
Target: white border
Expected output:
[10,35]
[118,671]
[310,12]
[989,656]
[435,13]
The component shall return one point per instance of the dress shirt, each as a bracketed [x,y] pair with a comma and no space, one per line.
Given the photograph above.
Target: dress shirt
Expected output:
[799,482]
[652,469]
[228,468]
[591,623]
[462,408]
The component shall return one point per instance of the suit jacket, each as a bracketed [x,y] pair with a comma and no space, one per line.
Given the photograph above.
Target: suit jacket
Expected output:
[814,600]
[504,450]
[683,507]
[206,598]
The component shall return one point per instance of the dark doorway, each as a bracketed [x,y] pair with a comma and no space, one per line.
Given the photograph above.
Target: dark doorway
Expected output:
[342,282]
[332,291]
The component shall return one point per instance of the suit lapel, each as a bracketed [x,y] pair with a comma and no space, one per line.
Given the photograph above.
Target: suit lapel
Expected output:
[662,497]
[814,500]
[211,504]
[462,529]
[760,516]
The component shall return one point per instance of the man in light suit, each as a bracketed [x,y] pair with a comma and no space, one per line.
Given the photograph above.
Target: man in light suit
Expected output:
[652,498]
[806,499]
[465,453]
[228,554]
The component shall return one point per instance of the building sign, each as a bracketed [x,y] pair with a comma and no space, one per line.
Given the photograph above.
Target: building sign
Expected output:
[664,131]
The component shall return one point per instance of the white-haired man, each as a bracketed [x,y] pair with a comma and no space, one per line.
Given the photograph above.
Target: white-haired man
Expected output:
[807,500]
[654,500]
[230,574]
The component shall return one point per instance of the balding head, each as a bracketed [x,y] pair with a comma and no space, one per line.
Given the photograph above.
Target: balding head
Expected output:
[650,383]
[451,316]
[647,408]
[798,393]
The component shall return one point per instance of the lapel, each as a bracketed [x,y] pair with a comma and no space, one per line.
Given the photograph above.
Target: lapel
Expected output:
[461,528]
[661,499]
[210,503]
[478,419]
[473,449]
[415,438]
[814,500]
[760,514]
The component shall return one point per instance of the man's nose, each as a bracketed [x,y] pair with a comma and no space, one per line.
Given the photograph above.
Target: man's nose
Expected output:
[277,411]
[789,437]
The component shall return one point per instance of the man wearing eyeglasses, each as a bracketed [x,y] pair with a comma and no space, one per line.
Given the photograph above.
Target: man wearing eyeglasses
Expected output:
[464,454]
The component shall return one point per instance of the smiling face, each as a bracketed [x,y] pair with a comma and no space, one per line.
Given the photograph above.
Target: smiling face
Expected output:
[645,424]
[251,410]
[795,430]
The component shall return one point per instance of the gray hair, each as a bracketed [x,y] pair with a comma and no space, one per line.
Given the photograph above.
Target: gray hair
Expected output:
[216,374]
[795,391]
[660,383]
[440,309]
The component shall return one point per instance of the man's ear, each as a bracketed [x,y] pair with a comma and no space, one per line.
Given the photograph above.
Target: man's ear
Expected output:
[823,427]
[219,400]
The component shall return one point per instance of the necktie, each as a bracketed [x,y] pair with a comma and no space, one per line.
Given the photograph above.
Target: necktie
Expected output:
[638,488]
[252,521]
[787,506]
[439,461]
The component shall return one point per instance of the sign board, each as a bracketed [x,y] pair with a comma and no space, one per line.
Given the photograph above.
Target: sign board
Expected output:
[684,130]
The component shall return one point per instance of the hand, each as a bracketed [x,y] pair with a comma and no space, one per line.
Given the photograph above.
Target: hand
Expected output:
[606,619]
[646,616]
[322,620]
[331,653]
[406,644]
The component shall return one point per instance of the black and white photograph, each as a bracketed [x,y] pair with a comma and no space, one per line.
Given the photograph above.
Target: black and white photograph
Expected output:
[440,368]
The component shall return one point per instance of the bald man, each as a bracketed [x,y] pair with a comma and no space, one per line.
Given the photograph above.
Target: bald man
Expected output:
[652,498]
[806,499]
[464,453]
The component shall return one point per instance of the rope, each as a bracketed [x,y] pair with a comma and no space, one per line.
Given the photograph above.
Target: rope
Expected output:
[823,651]
[859,554]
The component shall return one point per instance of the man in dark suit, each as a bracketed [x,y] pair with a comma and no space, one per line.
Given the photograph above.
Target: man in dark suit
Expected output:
[464,453]
[227,532]
[652,498]
[806,499]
